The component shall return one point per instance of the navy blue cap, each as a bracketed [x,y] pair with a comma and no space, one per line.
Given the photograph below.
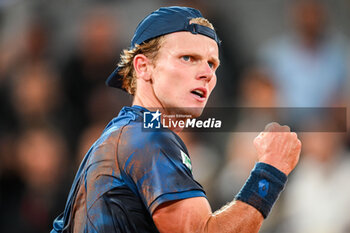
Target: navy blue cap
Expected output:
[164,21]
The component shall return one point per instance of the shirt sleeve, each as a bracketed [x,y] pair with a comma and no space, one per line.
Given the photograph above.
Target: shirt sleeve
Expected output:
[159,170]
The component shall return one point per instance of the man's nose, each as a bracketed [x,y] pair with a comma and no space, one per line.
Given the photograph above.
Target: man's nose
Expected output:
[206,72]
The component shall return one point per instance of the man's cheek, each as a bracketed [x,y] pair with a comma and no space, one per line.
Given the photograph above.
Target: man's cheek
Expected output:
[212,85]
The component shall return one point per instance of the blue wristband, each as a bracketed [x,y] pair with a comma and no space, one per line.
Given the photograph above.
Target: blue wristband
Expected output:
[263,187]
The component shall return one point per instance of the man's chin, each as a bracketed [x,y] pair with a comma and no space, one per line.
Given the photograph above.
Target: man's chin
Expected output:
[196,112]
[190,112]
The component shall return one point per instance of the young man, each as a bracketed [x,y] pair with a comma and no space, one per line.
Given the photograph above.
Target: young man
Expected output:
[137,181]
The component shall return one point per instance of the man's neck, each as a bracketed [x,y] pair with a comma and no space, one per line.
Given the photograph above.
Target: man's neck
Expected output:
[154,105]
[145,102]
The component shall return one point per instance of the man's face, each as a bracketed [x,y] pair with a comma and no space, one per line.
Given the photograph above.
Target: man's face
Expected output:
[184,72]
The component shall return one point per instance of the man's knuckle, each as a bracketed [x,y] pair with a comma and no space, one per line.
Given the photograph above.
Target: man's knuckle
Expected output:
[256,141]
[271,126]
[299,143]
[285,128]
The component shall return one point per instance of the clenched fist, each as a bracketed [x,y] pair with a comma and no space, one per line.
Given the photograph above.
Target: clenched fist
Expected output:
[279,147]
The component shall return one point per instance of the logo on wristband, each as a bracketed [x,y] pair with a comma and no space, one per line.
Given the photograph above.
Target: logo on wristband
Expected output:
[263,187]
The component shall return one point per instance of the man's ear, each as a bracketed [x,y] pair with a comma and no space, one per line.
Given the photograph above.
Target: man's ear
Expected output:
[142,66]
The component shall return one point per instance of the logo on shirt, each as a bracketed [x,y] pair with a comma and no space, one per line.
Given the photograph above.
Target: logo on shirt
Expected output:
[186,160]
[151,120]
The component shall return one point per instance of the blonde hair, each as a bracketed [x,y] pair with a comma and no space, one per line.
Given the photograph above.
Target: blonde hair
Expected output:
[150,50]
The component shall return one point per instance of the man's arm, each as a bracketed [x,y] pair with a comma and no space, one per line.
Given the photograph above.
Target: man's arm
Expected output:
[276,146]
[194,215]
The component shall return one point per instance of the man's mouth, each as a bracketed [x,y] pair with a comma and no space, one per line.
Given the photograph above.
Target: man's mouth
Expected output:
[200,92]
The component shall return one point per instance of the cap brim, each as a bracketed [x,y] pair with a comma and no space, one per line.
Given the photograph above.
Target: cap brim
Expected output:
[115,80]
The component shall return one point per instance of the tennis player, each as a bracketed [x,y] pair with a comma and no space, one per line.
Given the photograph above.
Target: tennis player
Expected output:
[136,181]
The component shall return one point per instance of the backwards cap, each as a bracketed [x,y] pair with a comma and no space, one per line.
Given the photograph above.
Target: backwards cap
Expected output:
[164,21]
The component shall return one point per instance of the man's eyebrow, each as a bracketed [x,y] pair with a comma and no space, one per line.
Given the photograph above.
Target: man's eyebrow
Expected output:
[212,58]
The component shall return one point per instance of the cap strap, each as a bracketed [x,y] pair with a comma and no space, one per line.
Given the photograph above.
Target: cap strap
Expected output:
[206,31]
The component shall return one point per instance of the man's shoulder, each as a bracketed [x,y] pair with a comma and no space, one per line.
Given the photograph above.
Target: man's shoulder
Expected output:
[129,139]
[134,135]
[125,118]
[130,124]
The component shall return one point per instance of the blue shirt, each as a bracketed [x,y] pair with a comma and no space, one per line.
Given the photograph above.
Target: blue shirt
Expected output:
[125,176]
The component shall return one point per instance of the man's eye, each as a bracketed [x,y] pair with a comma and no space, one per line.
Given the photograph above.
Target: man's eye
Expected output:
[186,58]
[211,65]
